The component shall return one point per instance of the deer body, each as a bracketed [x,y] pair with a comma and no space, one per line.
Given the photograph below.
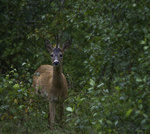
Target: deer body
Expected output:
[51,83]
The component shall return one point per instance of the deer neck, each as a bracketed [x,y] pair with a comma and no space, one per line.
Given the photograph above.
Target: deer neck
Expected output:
[57,75]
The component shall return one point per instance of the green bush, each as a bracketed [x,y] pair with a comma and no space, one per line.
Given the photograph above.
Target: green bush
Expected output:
[107,65]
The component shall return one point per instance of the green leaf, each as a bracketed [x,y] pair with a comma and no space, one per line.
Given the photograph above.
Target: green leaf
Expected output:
[117,88]
[128,113]
[142,42]
[146,47]
[138,79]
[109,122]
[16,86]
[69,109]
[92,82]
[116,122]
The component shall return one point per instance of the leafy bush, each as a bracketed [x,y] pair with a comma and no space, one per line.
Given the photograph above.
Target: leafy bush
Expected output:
[107,66]
[17,106]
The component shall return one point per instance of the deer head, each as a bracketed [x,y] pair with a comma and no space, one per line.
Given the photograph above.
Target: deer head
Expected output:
[56,53]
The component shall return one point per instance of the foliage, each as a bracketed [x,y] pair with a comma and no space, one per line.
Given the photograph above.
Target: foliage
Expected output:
[107,66]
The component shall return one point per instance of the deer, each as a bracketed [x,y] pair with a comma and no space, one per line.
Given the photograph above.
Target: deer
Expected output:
[51,82]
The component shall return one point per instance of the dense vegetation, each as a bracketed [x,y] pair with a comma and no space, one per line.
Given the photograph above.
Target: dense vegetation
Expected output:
[107,66]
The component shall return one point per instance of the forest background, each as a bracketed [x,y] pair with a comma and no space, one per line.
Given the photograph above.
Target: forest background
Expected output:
[107,66]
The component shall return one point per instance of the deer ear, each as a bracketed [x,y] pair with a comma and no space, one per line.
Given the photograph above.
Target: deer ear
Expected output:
[66,46]
[48,45]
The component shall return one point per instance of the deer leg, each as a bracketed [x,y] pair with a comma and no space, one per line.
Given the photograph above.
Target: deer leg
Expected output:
[52,114]
[61,111]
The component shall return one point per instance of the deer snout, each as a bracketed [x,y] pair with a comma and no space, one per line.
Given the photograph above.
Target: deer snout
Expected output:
[56,62]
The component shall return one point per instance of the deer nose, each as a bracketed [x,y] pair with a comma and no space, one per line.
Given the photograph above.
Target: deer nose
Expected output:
[56,62]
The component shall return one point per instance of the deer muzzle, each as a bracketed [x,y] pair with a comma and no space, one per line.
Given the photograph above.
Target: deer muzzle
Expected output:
[56,62]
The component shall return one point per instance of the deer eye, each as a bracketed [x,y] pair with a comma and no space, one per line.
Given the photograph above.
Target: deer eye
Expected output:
[51,55]
[60,55]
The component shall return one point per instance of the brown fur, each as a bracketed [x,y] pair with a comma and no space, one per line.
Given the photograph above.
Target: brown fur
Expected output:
[52,83]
